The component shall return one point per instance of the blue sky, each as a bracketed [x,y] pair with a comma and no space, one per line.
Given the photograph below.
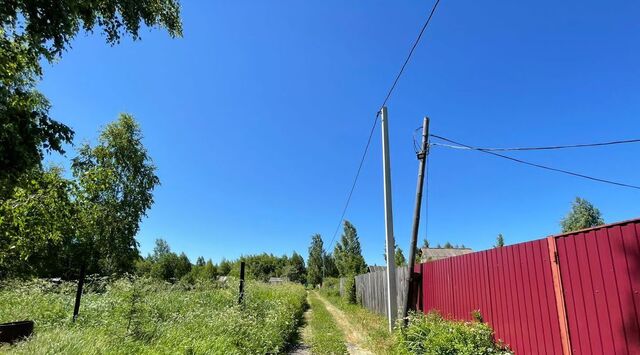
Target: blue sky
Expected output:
[256,119]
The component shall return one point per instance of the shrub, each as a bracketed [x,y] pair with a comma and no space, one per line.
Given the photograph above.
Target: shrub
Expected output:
[350,289]
[331,286]
[432,334]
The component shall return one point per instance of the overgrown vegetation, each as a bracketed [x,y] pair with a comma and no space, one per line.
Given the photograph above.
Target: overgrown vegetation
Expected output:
[432,334]
[140,315]
[326,337]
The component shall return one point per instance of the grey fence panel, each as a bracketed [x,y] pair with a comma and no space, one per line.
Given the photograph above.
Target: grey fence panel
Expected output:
[371,290]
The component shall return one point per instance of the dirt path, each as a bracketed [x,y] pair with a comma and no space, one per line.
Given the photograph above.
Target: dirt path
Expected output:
[354,339]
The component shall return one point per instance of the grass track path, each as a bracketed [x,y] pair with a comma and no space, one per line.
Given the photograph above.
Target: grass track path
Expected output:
[354,339]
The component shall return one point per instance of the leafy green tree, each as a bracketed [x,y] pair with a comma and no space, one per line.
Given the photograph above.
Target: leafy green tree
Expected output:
[399,257]
[35,31]
[224,268]
[162,248]
[499,241]
[582,215]
[315,261]
[209,270]
[296,270]
[37,225]
[348,253]
[116,180]
[425,243]
[330,268]
[261,266]
[448,245]
[200,261]
[183,266]
[164,268]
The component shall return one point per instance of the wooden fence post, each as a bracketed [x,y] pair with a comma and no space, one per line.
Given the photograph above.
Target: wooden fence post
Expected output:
[559,293]
[76,307]
[241,293]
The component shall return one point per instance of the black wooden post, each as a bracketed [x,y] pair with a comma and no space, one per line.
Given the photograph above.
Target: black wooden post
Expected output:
[241,294]
[76,308]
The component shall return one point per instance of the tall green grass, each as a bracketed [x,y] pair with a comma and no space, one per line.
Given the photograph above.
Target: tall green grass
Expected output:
[432,334]
[145,316]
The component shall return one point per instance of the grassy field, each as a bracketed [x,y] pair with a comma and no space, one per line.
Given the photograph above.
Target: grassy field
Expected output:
[326,337]
[144,316]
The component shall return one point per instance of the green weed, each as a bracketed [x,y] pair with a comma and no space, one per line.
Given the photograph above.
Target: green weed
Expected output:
[145,316]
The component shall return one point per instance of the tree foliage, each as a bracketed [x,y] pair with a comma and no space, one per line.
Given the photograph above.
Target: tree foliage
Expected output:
[315,260]
[32,31]
[348,253]
[26,130]
[330,268]
[399,257]
[582,215]
[116,179]
[51,225]
[499,241]
[296,271]
[37,225]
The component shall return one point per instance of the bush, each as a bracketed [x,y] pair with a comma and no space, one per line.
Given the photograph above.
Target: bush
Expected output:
[331,286]
[350,289]
[432,334]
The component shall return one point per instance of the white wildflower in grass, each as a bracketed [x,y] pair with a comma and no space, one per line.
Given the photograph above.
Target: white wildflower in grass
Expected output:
[145,316]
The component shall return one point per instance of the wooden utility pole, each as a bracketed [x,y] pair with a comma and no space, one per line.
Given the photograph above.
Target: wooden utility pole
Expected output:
[422,158]
[392,302]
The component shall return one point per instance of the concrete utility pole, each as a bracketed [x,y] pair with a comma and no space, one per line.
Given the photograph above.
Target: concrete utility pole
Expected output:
[392,302]
[422,158]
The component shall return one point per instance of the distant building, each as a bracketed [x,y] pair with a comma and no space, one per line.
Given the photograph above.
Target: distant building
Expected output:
[430,254]
[277,280]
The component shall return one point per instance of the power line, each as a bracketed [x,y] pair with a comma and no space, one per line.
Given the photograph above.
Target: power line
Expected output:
[375,120]
[538,165]
[406,61]
[553,147]
[353,186]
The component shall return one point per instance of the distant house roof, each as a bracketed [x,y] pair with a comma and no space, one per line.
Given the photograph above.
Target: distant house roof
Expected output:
[443,253]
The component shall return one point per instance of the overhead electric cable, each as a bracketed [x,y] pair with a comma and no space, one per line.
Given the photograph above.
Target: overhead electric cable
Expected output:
[353,186]
[406,61]
[554,147]
[537,165]
[375,120]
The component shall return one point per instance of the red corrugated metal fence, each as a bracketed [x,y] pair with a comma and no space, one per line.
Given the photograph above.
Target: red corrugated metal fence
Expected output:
[597,282]
[601,280]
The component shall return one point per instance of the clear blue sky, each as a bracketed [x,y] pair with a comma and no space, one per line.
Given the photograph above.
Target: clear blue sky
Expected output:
[257,118]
